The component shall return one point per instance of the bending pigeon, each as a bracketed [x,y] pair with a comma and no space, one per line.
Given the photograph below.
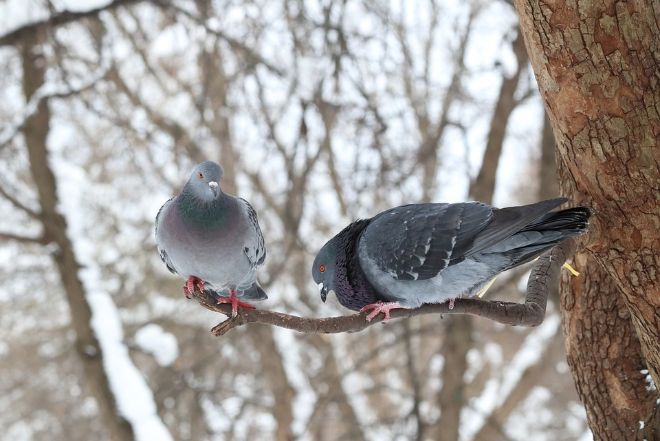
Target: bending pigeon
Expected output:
[430,253]
[212,238]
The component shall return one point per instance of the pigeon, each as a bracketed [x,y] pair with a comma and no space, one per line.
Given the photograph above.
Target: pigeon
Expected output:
[212,239]
[435,252]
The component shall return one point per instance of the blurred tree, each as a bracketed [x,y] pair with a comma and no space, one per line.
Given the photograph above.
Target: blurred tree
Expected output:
[596,65]
[321,112]
[459,329]
[54,225]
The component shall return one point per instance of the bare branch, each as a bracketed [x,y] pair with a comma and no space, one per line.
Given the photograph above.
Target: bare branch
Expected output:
[62,18]
[251,57]
[542,281]
[45,93]
[18,204]
[41,240]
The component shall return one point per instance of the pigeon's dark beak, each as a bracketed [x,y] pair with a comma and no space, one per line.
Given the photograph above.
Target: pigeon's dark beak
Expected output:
[214,188]
[324,292]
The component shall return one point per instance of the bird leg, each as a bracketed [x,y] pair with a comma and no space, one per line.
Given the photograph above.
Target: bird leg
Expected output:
[192,283]
[235,303]
[378,307]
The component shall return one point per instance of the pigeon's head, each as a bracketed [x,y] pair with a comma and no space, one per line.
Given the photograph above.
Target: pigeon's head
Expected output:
[205,179]
[323,270]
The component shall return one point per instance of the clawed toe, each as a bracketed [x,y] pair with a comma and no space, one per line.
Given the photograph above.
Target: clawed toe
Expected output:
[191,284]
[378,307]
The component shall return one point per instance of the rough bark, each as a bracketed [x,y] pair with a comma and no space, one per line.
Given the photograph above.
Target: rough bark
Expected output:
[596,64]
[35,132]
[604,353]
[548,183]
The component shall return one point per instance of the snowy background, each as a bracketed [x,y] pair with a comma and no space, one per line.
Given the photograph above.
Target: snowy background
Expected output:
[321,112]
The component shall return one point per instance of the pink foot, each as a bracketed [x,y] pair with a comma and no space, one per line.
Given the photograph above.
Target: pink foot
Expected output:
[378,307]
[451,304]
[192,283]
[235,303]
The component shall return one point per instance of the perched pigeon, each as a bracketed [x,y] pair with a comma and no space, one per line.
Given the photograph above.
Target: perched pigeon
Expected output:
[431,253]
[212,238]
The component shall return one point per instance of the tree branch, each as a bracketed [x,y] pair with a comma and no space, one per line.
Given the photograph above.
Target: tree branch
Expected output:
[61,18]
[542,280]
[41,240]
[16,203]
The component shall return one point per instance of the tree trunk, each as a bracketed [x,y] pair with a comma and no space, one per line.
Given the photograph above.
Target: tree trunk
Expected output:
[596,64]
[35,132]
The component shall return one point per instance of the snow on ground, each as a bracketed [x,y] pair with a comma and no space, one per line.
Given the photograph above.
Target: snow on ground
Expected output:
[152,339]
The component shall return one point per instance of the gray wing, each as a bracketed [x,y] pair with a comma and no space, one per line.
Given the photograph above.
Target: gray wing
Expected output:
[163,254]
[255,247]
[417,241]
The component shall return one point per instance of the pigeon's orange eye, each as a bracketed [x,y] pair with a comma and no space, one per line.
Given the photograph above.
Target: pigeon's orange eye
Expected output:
[200,175]
[322,268]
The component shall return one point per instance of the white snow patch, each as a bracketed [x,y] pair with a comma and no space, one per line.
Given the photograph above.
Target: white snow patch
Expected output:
[215,419]
[650,384]
[152,339]
[135,400]
[493,353]
[133,396]
[4,348]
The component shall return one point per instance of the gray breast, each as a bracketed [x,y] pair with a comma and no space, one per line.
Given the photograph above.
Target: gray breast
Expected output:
[216,255]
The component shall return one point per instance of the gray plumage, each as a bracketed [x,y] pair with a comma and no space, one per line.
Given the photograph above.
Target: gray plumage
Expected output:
[208,234]
[431,253]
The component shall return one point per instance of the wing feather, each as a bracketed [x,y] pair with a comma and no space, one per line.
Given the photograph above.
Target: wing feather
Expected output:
[255,249]
[416,242]
[161,252]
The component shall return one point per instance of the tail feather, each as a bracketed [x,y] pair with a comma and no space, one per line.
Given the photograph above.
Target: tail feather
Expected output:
[254,292]
[570,220]
[536,238]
